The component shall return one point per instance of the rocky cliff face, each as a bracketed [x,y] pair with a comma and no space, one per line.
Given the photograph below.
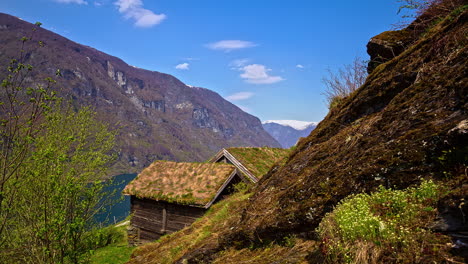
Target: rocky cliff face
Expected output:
[407,122]
[161,117]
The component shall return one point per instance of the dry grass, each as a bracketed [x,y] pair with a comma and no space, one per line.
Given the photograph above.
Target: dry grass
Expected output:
[259,160]
[184,183]
[274,253]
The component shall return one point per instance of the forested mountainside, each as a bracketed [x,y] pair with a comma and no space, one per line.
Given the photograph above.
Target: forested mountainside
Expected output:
[159,116]
[408,122]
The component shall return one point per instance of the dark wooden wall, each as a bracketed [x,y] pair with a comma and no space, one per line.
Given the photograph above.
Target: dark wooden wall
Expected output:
[148,217]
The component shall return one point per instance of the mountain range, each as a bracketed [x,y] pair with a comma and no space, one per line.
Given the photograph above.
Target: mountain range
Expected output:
[288,132]
[161,117]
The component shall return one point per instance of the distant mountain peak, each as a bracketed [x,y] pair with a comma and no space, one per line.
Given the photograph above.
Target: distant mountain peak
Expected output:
[298,125]
[288,132]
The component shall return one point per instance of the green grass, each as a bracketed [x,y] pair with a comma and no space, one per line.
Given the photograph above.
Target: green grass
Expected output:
[112,254]
[115,253]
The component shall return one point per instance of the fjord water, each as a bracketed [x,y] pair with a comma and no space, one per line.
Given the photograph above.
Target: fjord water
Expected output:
[120,204]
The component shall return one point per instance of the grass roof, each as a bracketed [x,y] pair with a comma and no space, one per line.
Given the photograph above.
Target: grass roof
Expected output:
[180,182]
[259,160]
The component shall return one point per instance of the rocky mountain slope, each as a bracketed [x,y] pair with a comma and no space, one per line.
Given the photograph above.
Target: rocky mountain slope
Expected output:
[161,117]
[408,122]
[286,134]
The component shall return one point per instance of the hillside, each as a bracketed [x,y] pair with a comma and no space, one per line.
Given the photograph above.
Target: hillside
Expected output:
[285,134]
[408,122]
[160,117]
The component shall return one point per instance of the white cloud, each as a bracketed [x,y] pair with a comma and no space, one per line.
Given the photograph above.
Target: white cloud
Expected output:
[133,9]
[300,66]
[96,3]
[80,2]
[182,66]
[229,45]
[239,96]
[258,74]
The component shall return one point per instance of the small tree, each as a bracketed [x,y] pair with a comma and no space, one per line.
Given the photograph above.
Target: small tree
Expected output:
[345,81]
[63,186]
[52,163]
[21,110]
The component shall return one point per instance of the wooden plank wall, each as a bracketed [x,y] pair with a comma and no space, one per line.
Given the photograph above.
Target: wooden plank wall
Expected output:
[148,217]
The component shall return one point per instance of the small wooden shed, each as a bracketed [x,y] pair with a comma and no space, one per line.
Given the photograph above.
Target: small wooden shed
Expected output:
[251,162]
[167,196]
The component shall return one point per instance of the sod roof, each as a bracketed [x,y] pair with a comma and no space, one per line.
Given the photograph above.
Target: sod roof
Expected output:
[259,160]
[181,182]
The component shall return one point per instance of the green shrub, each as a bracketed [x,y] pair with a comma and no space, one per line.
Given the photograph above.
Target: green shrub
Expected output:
[373,228]
[106,236]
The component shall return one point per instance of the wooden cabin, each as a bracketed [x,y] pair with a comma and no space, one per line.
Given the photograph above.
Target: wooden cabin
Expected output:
[251,162]
[167,196]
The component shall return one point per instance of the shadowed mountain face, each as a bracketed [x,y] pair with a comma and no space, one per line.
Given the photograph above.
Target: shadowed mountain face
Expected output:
[287,136]
[162,118]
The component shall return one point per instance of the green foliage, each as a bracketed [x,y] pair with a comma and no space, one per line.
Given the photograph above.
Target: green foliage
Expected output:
[365,227]
[22,108]
[453,160]
[112,247]
[106,236]
[52,163]
[241,187]
[62,188]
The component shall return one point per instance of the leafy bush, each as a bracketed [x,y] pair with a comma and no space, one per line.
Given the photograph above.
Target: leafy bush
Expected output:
[386,226]
[106,236]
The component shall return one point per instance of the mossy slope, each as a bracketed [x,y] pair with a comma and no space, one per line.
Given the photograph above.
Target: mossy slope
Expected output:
[391,132]
[399,127]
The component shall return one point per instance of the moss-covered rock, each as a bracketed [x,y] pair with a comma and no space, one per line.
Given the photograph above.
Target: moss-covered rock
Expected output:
[387,46]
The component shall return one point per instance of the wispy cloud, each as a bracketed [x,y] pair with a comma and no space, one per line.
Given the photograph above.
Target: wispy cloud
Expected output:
[258,74]
[239,96]
[80,2]
[229,45]
[300,66]
[239,63]
[133,9]
[182,66]
[245,108]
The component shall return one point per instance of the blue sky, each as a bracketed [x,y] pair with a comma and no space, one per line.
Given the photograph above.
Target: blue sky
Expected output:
[266,56]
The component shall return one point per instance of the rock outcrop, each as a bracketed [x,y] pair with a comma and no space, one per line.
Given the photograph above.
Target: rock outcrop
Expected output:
[387,46]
